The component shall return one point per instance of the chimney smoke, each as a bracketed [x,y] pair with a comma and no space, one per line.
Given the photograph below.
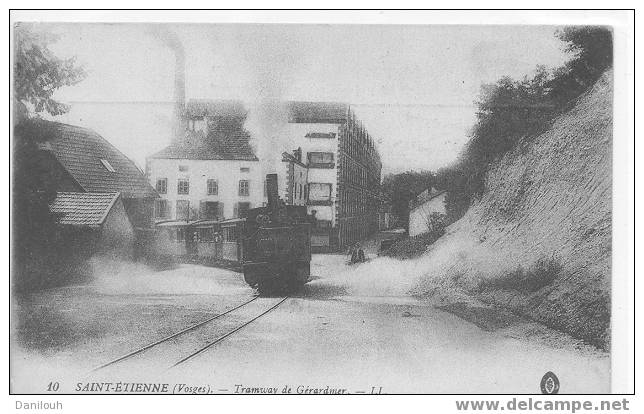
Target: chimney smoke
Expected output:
[172,41]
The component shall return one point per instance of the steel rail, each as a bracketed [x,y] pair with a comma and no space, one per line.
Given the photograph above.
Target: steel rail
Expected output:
[221,338]
[174,335]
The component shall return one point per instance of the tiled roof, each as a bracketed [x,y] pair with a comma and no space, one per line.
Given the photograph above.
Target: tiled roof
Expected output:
[227,139]
[222,108]
[427,195]
[318,112]
[82,209]
[299,111]
[80,151]
[218,145]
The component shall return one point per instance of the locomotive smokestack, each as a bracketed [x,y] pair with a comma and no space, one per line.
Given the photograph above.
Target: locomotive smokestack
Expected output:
[272,191]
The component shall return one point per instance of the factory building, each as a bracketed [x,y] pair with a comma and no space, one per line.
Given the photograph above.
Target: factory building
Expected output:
[213,171]
[344,170]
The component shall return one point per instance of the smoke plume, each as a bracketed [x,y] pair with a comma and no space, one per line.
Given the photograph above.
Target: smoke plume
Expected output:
[267,124]
[172,41]
[274,65]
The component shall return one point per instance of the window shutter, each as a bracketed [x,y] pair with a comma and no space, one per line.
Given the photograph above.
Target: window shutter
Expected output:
[220,210]
[236,210]
[202,210]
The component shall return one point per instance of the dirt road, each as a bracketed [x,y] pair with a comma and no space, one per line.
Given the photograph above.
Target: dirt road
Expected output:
[334,335]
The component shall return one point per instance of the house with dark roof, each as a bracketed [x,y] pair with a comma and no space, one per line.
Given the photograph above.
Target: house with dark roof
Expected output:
[422,207]
[95,223]
[76,159]
[206,175]
[212,171]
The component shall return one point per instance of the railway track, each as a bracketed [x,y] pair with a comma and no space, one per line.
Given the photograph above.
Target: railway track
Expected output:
[221,338]
[194,327]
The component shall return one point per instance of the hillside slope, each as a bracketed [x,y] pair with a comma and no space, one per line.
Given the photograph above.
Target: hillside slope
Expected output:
[545,219]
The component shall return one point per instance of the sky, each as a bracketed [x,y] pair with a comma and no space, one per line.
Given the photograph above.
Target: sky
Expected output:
[413,86]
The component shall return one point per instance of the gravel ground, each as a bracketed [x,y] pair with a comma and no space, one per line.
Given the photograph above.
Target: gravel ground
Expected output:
[81,327]
[352,327]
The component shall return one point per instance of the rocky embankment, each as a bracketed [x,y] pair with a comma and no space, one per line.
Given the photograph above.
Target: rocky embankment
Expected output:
[539,240]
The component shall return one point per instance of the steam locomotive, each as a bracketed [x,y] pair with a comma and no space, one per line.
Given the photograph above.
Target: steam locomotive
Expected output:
[276,244]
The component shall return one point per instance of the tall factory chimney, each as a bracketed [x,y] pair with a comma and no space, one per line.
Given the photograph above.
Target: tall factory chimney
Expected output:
[179,114]
[171,40]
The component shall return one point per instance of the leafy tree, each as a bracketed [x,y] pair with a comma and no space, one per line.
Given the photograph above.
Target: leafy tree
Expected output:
[459,186]
[38,73]
[401,188]
[435,221]
[592,51]
[511,110]
[508,110]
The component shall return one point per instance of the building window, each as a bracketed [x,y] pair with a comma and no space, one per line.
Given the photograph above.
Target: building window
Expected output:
[319,192]
[161,209]
[321,159]
[183,186]
[207,234]
[301,194]
[183,168]
[162,185]
[183,209]
[244,187]
[108,166]
[241,209]
[212,187]
[244,169]
[209,210]
[230,234]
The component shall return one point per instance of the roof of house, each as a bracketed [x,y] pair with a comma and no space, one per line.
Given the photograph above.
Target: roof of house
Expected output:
[82,209]
[425,196]
[227,138]
[196,108]
[83,152]
[318,112]
[217,145]
[298,111]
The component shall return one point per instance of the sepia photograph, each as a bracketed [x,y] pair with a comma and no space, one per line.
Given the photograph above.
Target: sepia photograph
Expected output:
[254,208]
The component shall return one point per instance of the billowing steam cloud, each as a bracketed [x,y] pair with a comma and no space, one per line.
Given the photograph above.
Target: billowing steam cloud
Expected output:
[274,65]
[267,121]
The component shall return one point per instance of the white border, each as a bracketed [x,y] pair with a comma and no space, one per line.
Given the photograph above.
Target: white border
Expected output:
[623,176]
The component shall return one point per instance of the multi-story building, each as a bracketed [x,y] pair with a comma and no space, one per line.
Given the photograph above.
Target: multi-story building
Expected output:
[209,173]
[343,172]
[213,172]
